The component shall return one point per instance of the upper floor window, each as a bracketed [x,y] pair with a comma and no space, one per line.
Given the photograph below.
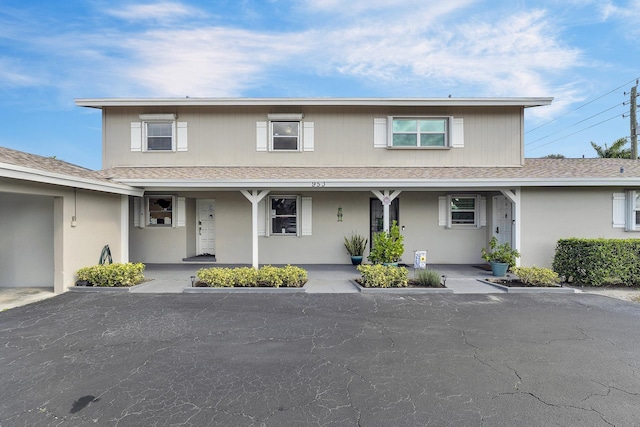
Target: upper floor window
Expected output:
[285,135]
[419,132]
[159,135]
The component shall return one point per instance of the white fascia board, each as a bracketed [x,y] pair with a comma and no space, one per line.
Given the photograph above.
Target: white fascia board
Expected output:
[35,175]
[321,184]
[393,102]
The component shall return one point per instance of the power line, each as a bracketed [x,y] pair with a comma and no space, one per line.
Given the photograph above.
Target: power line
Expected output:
[571,134]
[574,124]
[583,105]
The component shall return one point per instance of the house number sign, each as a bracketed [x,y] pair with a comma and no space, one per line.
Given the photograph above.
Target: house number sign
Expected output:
[318,184]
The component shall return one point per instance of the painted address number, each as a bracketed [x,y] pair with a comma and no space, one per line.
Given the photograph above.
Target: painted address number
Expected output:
[318,184]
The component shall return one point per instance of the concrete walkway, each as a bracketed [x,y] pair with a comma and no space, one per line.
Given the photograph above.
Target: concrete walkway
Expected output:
[323,278]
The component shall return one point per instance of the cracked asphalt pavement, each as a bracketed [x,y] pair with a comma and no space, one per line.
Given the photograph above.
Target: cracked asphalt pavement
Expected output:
[324,359]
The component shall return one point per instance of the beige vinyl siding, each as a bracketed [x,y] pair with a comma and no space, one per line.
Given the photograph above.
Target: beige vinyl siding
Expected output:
[343,136]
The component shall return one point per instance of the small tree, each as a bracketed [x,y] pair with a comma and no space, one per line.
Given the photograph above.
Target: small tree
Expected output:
[387,246]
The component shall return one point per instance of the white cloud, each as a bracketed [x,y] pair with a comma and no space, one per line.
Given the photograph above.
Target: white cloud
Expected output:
[160,11]
[15,74]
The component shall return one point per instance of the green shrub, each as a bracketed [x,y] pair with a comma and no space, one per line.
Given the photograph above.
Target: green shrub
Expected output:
[245,277]
[216,277]
[289,276]
[598,262]
[388,246]
[536,276]
[112,275]
[293,277]
[428,277]
[383,276]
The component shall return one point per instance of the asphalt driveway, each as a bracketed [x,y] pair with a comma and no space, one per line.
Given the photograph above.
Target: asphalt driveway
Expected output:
[291,360]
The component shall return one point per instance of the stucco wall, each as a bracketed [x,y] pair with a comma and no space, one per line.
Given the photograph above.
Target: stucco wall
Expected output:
[98,219]
[549,214]
[418,214]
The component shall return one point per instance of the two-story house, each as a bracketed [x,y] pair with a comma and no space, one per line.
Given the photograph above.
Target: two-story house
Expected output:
[284,180]
[258,181]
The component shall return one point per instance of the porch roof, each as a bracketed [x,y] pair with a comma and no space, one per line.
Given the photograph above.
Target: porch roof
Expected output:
[31,167]
[535,172]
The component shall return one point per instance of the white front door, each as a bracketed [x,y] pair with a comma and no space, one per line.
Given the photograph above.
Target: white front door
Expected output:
[205,226]
[502,219]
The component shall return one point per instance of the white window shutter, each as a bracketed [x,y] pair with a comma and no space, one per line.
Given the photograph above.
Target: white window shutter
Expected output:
[380,132]
[136,136]
[306,219]
[457,133]
[183,139]
[137,209]
[442,211]
[619,211]
[483,212]
[308,137]
[262,217]
[181,208]
[261,136]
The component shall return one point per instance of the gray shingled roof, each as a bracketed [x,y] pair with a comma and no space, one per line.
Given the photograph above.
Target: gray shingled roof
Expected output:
[47,164]
[533,169]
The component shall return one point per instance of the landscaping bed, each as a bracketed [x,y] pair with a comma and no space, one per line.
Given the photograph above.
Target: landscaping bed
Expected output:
[517,286]
[266,277]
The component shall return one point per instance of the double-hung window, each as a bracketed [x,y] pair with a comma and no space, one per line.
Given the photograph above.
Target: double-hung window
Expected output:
[284,215]
[159,136]
[285,135]
[463,210]
[160,211]
[419,132]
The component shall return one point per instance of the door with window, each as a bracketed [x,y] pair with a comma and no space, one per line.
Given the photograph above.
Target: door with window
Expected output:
[376,216]
[502,220]
[205,227]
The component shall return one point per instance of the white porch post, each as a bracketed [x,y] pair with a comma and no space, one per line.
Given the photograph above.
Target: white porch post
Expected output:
[514,197]
[386,200]
[124,229]
[254,196]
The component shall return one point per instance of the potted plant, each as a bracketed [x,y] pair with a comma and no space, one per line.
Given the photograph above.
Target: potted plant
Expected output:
[387,247]
[501,257]
[355,245]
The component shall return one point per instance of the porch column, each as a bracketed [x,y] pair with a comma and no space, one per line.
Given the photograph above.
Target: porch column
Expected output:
[254,196]
[514,197]
[124,229]
[386,200]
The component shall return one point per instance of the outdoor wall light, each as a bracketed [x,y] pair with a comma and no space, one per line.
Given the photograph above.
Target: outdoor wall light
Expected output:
[339,214]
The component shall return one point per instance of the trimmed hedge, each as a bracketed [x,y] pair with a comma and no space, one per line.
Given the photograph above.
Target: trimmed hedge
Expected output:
[598,262]
[383,276]
[267,276]
[112,275]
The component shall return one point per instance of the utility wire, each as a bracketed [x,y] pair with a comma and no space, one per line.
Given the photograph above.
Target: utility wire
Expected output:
[571,134]
[583,105]
[574,124]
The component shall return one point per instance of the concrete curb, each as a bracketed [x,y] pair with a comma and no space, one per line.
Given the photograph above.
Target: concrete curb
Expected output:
[103,288]
[244,290]
[363,290]
[530,290]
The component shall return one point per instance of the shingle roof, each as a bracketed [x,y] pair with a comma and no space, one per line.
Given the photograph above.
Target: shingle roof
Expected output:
[48,164]
[533,169]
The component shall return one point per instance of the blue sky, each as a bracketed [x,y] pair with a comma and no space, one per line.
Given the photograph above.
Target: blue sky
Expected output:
[583,53]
